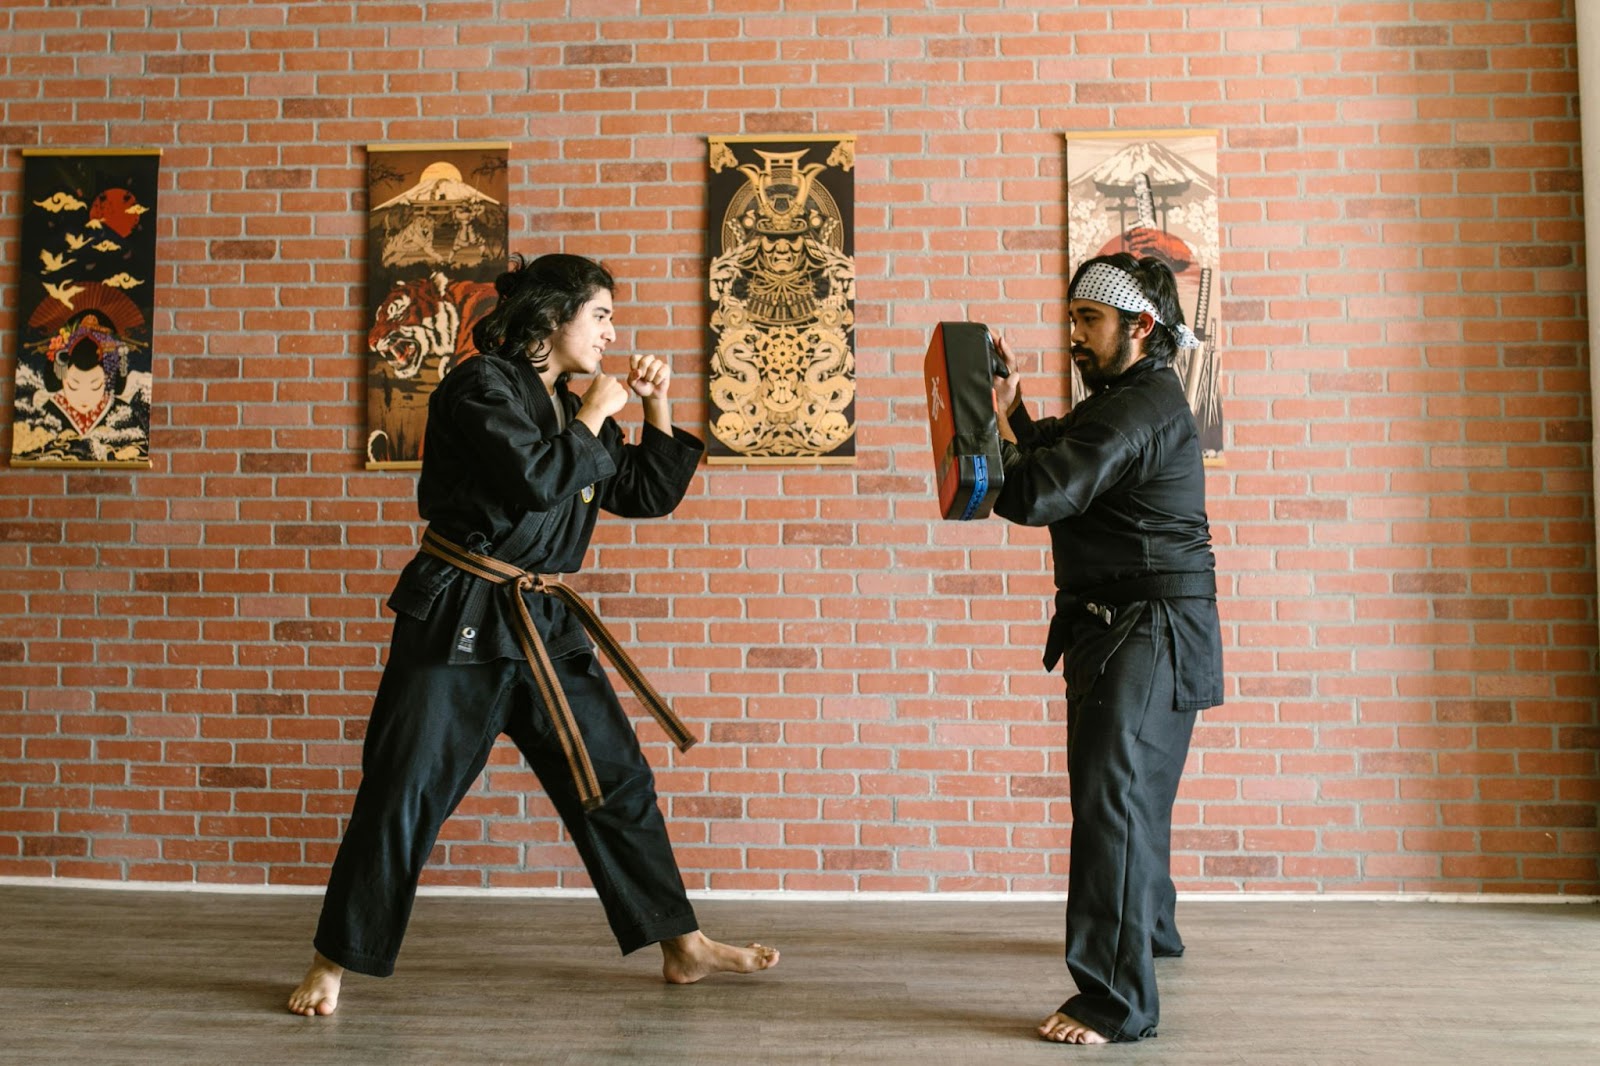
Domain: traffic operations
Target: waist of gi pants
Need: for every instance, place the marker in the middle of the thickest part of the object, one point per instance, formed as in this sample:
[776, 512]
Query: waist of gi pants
[517, 581]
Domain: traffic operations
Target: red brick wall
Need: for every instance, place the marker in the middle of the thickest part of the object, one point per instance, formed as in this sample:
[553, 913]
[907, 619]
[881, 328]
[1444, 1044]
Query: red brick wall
[1404, 524]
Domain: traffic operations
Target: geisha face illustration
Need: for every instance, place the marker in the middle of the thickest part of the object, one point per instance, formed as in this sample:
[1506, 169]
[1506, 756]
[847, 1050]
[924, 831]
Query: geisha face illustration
[85, 417]
[88, 363]
[83, 383]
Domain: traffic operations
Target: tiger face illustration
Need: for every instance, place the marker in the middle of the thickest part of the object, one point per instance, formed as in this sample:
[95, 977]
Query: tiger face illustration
[428, 318]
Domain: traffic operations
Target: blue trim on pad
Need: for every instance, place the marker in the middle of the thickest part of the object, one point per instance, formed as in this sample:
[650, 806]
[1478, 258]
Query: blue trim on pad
[980, 485]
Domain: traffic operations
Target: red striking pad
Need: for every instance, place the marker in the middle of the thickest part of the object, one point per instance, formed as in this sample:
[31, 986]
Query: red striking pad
[963, 418]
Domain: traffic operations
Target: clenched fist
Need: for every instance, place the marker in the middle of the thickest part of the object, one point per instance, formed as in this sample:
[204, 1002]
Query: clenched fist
[649, 376]
[604, 397]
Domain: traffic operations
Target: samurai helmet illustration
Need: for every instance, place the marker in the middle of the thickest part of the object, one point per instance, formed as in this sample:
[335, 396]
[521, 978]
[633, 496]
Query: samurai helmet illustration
[782, 188]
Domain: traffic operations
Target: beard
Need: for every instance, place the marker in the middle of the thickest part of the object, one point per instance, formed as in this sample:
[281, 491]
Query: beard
[1096, 372]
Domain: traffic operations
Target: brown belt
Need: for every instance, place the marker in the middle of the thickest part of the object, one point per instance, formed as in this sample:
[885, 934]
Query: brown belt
[519, 581]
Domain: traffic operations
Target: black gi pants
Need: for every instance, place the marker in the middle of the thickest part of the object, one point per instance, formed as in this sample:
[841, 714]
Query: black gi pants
[1126, 748]
[433, 725]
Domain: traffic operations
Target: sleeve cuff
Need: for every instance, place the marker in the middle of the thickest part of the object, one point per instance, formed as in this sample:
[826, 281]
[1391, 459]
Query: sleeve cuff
[1010, 455]
[677, 436]
[679, 444]
[592, 449]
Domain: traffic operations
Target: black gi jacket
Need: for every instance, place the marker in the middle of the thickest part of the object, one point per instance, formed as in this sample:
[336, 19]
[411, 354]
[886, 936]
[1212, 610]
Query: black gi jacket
[1121, 483]
[500, 476]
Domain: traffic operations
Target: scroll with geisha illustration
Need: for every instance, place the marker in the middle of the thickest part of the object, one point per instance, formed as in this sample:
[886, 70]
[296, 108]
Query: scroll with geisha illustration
[782, 378]
[436, 240]
[1154, 193]
[87, 293]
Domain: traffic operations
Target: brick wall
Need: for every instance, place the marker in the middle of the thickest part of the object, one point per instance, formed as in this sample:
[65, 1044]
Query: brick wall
[1404, 524]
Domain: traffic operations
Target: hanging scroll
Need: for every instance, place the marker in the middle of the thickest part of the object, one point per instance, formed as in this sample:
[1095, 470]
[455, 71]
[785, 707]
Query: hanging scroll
[782, 288]
[87, 295]
[436, 240]
[1154, 193]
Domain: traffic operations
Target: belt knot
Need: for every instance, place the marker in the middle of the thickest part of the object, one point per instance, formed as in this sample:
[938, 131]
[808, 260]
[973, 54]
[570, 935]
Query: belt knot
[519, 581]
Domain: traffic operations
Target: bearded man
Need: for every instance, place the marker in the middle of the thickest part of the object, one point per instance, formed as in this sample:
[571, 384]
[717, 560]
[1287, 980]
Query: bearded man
[1120, 482]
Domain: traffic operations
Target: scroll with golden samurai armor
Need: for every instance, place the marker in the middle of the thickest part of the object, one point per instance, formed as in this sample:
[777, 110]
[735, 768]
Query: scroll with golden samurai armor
[782, 288]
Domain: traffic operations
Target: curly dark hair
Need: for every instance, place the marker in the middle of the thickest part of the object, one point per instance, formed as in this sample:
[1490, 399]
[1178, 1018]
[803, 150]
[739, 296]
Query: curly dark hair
[1159, 287]
[538, 297]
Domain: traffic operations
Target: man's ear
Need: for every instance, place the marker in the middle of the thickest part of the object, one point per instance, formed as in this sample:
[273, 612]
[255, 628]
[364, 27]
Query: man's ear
[1144, 327]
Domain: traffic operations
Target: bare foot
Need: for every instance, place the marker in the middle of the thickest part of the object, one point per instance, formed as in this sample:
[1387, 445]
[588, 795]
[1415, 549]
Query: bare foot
[1064, 1029]
[319, 991]
[686, 959]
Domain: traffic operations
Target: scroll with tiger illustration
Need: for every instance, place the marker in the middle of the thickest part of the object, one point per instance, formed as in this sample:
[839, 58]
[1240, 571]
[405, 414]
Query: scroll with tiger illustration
[1154, 193]
[436, 240]
[87, 294]
[782, 286]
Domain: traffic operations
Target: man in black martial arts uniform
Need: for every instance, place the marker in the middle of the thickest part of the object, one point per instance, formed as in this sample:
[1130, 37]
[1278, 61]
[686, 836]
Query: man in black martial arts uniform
[514, 470]
[1120, 483]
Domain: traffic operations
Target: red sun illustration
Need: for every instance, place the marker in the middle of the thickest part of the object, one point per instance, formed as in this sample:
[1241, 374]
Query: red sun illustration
[1143, 241]
[114, 207]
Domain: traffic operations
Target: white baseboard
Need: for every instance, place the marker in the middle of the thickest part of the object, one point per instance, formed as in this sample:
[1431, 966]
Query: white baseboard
[808, 897]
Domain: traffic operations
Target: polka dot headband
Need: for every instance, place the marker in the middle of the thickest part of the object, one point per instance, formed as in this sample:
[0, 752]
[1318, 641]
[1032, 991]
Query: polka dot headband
[1104, 283]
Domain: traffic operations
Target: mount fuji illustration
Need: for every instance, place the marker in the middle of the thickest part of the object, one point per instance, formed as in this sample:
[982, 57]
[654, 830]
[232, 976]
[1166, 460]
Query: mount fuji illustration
[440, 183]
[1162, 167]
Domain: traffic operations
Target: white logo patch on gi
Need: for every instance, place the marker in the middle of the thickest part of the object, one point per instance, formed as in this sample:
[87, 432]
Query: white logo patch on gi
[588, 493]
[469, 637]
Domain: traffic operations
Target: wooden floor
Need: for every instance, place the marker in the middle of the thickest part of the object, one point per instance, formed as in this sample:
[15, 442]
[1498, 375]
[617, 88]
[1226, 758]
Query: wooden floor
[92, 976]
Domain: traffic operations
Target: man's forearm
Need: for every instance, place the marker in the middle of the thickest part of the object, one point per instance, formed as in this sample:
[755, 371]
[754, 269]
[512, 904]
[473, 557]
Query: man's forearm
[1005, 422]
[658, 414]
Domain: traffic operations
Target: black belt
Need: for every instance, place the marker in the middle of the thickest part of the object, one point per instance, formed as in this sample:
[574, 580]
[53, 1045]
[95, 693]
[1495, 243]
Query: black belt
[1098, 601]
[1200, 584]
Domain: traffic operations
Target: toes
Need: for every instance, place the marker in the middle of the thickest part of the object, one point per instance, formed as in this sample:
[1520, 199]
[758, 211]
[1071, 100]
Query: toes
[1065, 1030]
